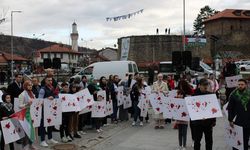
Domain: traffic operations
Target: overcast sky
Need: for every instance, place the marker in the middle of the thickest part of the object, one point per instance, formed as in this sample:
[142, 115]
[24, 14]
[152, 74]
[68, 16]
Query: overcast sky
[55, 17]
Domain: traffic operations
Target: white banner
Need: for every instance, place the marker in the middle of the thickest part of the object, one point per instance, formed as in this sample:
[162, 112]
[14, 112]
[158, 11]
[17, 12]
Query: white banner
[99, 109]
[234, 136]
[12, 130]
[203, 107]
[84, 98]
[233, 81]
[125, 48]
[36, 112]
[52, 112]
[69, 103]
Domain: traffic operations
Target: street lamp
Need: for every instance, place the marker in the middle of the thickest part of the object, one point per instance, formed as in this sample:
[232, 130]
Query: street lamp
[86, 41]
[12, 69]
[36, 37]
[184, 30]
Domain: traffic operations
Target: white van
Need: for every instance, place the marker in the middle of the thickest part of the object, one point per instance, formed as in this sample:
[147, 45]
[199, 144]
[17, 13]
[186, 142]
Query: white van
[167, 68]
[99, 69]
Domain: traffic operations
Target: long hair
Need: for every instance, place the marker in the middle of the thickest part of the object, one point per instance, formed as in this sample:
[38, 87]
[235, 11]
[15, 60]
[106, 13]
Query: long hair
[25, 87]
[102, 85]
[185, 87]
[139, 82]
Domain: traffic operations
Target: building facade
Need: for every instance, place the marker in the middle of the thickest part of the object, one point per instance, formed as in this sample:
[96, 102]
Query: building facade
[228, 33]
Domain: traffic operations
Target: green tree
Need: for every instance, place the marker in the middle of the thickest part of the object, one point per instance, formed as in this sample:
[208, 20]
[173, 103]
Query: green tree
[204, 13]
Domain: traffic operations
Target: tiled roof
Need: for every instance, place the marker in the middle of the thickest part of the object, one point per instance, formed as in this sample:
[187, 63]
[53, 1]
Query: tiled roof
[231, 14]
[5, 57]
[57, 49]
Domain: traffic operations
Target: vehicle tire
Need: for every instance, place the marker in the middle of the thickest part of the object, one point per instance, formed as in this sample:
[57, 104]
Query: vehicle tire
[243, 69]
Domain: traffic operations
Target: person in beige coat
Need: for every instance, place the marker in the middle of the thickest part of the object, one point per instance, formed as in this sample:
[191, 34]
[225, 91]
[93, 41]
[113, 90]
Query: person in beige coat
[159, 86]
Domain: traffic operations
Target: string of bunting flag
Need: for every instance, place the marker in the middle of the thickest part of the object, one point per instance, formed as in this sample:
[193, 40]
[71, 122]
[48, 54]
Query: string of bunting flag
[127, 16]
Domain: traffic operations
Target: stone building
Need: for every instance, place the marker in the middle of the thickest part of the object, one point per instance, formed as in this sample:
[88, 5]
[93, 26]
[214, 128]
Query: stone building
[151, 49]
[228, 33]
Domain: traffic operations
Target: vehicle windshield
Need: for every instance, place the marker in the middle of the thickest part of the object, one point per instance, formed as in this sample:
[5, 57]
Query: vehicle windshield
[165, 68]
[205, 66]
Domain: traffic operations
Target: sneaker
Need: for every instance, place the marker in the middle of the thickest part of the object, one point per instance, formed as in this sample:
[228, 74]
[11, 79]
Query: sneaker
[82, 132]
[64, 140]
[183, 148]
[52, 141]
[77, 136]
[32, 147]
[133, 124]
[179, 148]
[141, 123]
[44, 144]
[98, 130]
[69, 139]
[101, 130]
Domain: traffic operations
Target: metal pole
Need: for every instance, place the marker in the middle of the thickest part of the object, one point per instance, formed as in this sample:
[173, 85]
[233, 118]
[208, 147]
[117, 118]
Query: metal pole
[11, 42]
[184, 30]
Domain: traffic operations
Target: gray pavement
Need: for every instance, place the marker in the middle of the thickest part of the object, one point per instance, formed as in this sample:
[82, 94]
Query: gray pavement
[125, 137]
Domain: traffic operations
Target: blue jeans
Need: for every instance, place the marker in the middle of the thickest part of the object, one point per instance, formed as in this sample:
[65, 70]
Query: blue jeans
[137, 111]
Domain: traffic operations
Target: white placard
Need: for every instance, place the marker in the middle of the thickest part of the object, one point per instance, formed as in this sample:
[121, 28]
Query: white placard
[99, 109]
[127, 102]
[225, 110]
[234, 136]
[1, 94]
[16, 105]
[69, 103]
[52, 112]
[109, 107]
[36, 112]
[84, 98]
[87, 109]
[12, 130]
[203, 107]
[157, 101]
[233, 81]
[143, 103]
[172, 93]
[176, 109]
[101, 95]
[119, 95]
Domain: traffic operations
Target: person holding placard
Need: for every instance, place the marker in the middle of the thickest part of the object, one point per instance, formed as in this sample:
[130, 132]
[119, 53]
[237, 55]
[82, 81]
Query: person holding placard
[135, 94]
[103, 86]
[205, 125]
[47, 91]
[6, 109]
[159, 86]
[239, 110]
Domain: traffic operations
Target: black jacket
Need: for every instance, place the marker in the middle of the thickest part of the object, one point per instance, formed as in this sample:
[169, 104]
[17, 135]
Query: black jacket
[135, 93]
[113, 92]
[4, 112]
[236, 109]
[14, 90]
[206, 122]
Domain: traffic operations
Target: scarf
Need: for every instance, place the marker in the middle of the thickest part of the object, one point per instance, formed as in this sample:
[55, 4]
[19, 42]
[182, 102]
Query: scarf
[8, 106]
[244, 97]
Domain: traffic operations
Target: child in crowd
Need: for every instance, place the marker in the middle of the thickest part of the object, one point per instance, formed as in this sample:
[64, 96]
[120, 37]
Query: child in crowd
[6, 109]
[64, 128]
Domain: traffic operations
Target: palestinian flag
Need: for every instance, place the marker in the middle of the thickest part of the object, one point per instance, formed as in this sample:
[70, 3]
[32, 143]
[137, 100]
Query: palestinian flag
[24, 117]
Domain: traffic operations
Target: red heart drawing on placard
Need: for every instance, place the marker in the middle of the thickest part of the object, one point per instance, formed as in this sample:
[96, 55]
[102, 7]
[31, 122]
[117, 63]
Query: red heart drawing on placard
[205, 104]
[14, 131]
[89, 107]
[18, 130]
[63, 98]
[159, 98]
[99, 107]
[69, 104]
[109, 109]
[183, 114]
[88, 100]
[172, 105]
[238, 142]
[198, 104]
[37, 108]
[178, 107]
[74, 104]
[7, 125]
[230, 131]
[55, 107]
[32, 121]
[48, 120]
[158, 109]
[78, 99]
[214, 110]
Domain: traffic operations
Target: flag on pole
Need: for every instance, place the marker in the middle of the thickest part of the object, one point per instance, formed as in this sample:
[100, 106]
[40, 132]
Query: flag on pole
[24, 117]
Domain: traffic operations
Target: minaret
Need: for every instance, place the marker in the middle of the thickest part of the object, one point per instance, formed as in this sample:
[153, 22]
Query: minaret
[74, 37]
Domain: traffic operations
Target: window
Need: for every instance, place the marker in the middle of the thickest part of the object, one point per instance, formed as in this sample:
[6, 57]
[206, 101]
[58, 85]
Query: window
[54, 55]
[130, 68]
[61, 55]
[42, 56]
[135, 68]
[48, 55]
[88, 71]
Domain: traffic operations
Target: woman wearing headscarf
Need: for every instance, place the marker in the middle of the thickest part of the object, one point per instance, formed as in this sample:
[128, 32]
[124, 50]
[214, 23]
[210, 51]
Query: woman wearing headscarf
[25, 100]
